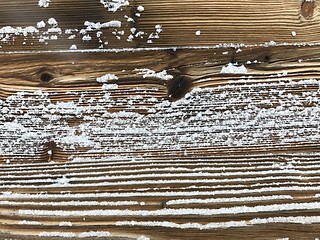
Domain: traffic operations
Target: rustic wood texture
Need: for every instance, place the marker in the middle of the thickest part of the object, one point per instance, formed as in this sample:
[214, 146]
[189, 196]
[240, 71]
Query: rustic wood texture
[219, 22]
[192, 140]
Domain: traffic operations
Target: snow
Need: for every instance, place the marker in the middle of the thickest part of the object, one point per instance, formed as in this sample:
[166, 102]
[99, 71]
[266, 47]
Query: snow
[97, 25]
[74, 235]
[107, 87]
[114, 5]
[293, 33]
[198, 33]
[41, 24]
[94, 234]
[179, 212]
[86, 38]
[232, 68]
[65, 224]
[106, 78]
[228, 200]
[25, 222]
[148, 73]
[155, 34]
[52, 21]
[58, 234]
[63, 181]
[217, 225]
[140, 8]
[44, 3]
[73, 47]
[18, 30]
[143, 238]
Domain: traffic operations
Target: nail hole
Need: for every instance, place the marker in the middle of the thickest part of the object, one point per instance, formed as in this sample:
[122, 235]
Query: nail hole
[46, 77]
[178, 87]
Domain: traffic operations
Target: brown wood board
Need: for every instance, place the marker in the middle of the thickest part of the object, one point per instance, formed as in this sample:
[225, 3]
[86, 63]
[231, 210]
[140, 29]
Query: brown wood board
[184, 137]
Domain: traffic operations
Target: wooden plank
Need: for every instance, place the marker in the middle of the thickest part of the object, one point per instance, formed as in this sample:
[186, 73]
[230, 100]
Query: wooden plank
[159, 23]
[175, 135]
[233, 154]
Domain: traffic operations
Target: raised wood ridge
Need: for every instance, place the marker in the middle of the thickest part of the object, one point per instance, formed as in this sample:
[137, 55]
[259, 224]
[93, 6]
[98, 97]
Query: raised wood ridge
[191, 136]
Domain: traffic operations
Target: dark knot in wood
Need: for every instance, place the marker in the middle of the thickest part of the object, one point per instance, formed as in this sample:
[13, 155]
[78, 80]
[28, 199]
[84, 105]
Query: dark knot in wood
[46, 77]
[307, 8]
[178, 87]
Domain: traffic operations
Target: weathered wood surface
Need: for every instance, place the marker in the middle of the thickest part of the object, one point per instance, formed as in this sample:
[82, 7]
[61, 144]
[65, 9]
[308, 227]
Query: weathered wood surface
[162, 143]
[162, 23]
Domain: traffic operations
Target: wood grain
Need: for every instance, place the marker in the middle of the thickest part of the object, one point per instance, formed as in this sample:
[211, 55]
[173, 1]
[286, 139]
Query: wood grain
[233, 155]
[157, 136]
[220, 22]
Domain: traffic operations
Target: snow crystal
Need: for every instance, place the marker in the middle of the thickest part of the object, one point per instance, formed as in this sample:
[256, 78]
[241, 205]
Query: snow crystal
[114, 5]
[41, 24]
[234, 69]
[52, 21]
[107, 77]
[63, 181]
[44, 3]
[198, 33]
[86, 38]
[293, 33]
[140, 8]
[148, 73]
[73, 47]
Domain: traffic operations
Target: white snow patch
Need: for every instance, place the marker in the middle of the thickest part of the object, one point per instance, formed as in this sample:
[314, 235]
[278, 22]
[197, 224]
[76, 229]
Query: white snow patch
[293, 33]
[180, 212]
[25, 222]
[217, 225]
[143, 238]
[41, 24]
[198, 33]
[63, 181]
[114, 5]
[107, 87]
[94, 234]
[58, 234]
[44, 3]
[73, 47]
[97, 25]
[107, 77]
[18, 30]
[148, 73]
[52, 21]
[155, 34]
[227, 200]
[234, 69]
[140, 8]
[65, 224]
[86, 38]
